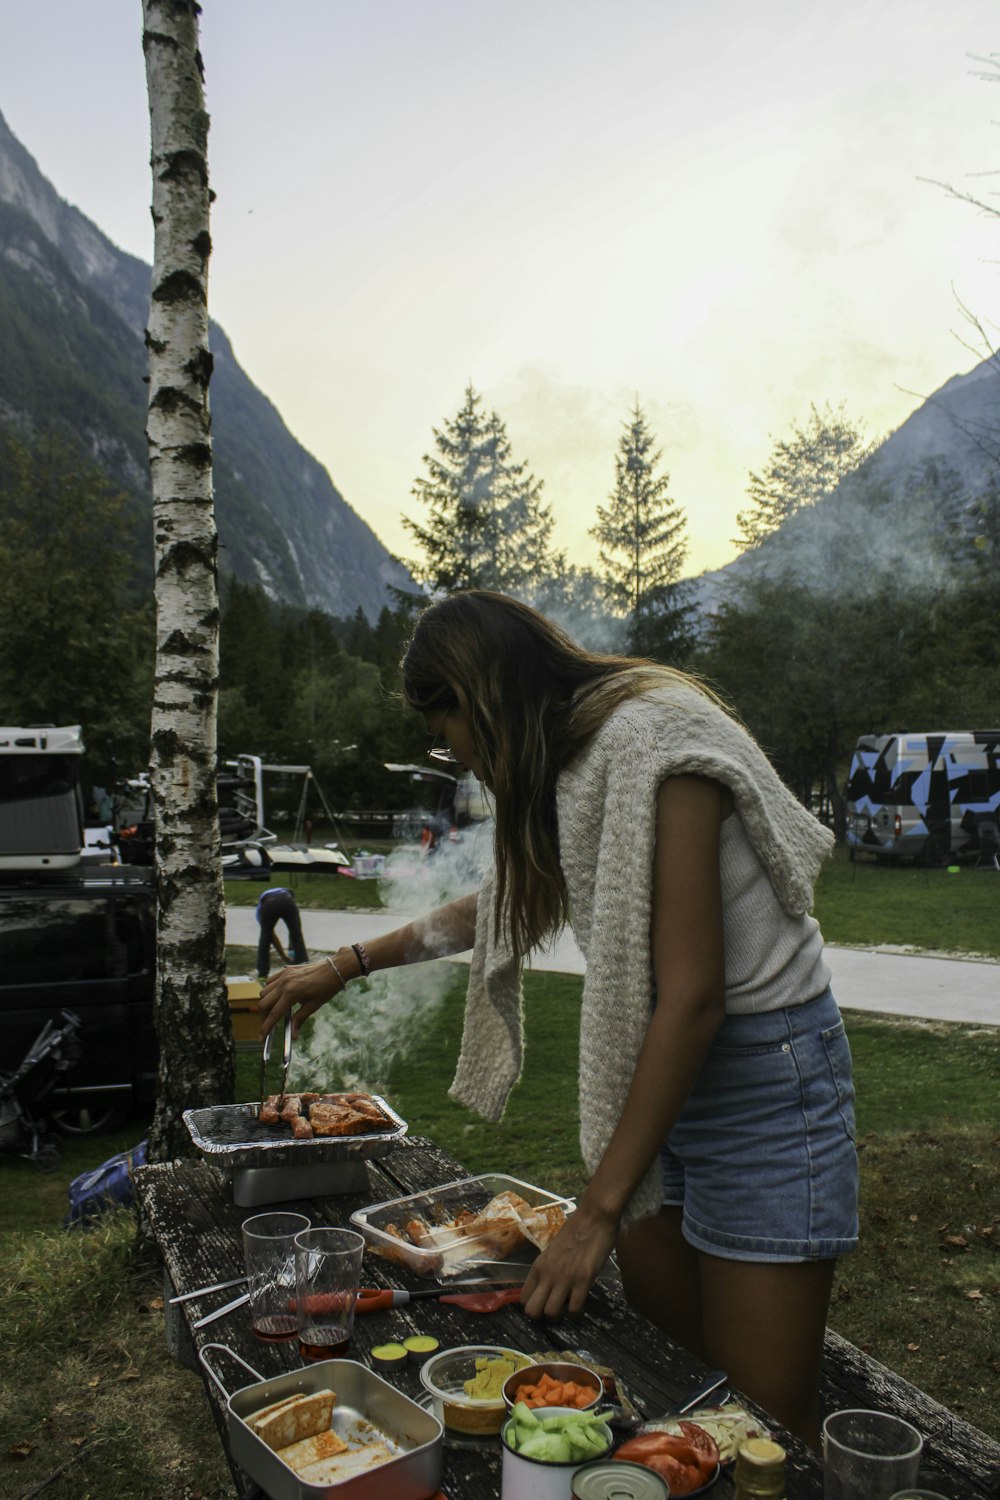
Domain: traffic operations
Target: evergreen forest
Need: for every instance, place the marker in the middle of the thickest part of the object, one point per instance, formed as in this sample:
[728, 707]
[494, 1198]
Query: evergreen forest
[857, 606]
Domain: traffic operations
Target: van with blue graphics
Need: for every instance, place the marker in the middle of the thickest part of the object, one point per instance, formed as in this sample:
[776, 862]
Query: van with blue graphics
[926, 797]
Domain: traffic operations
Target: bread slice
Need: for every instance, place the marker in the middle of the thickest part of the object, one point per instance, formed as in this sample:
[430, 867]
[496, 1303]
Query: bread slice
[288, 1422]
[310, 1451]
[347, 1465]
[266, 1411]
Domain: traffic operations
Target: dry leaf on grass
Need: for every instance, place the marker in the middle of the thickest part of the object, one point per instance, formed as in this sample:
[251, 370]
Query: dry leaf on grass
[129, 1375]
[976, 1295]
[21, 1450]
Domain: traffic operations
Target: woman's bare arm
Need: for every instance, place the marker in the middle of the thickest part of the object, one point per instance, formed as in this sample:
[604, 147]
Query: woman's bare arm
[687, 951]
[305, 987]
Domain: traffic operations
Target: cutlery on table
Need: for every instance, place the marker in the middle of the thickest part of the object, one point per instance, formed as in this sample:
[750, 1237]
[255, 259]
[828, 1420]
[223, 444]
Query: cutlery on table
[714, 1384]
[203, 1291]
[374, 1299]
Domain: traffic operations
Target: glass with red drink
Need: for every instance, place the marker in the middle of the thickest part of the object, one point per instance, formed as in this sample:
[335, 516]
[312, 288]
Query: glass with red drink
[269, 1257]
[327, 1277]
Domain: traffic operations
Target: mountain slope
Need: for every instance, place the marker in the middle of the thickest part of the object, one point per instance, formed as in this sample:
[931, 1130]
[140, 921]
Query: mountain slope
[73, 312]
[917, 484]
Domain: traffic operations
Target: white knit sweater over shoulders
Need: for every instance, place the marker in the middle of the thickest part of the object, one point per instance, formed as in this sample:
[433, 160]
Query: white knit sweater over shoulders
[606, 802]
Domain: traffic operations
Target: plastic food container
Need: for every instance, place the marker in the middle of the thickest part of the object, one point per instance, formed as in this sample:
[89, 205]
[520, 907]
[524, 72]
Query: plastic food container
[446, 1252]
[444, 1376]
[558, 1370]
[524, 1478]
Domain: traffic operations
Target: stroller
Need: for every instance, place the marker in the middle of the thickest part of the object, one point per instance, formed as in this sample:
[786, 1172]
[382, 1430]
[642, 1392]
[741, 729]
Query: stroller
[23, 1130]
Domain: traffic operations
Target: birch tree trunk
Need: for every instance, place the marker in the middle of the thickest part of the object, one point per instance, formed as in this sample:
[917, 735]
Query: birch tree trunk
[192, 1012]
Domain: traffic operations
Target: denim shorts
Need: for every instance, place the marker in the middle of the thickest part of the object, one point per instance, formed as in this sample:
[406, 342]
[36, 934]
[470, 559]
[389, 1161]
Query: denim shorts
[762, 1158]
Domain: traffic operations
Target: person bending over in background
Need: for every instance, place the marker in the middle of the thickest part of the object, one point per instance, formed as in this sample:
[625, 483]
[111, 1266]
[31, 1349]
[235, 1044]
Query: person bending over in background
[279, 905]
[716, 1102]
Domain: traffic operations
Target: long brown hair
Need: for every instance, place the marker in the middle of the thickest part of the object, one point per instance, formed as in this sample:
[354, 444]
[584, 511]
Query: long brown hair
[534, 700]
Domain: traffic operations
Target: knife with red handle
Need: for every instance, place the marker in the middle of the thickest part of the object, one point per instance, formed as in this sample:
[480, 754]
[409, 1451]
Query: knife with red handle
[375, 1299]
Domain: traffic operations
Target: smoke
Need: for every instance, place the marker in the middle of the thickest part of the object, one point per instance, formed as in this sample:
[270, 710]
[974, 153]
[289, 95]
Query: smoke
[356, 1041]
[908, 535]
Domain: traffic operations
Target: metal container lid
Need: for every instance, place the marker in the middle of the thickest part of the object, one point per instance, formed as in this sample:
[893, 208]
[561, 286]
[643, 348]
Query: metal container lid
[618, 1480]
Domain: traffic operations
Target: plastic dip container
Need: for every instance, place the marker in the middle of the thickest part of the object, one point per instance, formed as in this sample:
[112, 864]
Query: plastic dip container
[444, 1376]
[618, 1481]
[525, 1478]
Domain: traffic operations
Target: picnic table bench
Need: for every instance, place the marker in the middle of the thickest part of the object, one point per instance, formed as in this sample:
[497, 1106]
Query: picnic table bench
[189, 1209]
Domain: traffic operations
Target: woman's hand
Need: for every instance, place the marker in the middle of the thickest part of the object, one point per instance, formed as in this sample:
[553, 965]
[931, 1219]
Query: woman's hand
[302, 988]
[565, 1271]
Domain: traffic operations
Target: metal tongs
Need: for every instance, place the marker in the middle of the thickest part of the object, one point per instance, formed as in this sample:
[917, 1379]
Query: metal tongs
[286, 1057]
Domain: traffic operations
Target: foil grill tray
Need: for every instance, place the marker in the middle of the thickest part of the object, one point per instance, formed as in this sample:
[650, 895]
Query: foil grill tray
[232, 1135]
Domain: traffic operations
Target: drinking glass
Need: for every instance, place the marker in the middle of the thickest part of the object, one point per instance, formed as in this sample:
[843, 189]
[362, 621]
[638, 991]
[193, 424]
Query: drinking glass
[868, 1455]
[327, 1277]
[269, 1257]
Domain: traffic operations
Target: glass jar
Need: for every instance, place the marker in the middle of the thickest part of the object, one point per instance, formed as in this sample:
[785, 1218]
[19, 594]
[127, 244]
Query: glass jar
[760, 1470]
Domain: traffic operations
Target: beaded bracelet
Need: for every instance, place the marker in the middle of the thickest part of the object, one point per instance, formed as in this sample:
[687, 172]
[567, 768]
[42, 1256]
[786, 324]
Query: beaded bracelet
[333, 966]
[360, 953]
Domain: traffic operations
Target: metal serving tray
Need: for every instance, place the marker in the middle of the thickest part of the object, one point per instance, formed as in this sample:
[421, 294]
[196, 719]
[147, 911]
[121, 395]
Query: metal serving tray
[269, 1166]
[366, 1407]
[437, 1206]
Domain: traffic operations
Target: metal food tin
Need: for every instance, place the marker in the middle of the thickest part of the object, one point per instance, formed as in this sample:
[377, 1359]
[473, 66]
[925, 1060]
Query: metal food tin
[617, 1480]
[363, 1398]
[266, 1167]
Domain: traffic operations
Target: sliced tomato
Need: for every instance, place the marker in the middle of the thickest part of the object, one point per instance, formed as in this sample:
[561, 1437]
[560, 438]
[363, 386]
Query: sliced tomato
[673, 1457]
[704, 1445]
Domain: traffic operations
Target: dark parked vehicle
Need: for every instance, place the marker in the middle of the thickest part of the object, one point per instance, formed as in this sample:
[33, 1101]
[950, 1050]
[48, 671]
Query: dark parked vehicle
[82, 940]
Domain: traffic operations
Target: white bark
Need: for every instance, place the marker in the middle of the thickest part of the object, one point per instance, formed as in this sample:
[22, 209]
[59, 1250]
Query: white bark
[197, 1060]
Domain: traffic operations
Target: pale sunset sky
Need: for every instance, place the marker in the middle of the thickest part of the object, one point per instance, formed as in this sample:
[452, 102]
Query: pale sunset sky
[714, 207]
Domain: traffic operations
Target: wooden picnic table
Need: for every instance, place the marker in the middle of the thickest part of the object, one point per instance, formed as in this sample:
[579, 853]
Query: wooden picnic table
[189, 1208]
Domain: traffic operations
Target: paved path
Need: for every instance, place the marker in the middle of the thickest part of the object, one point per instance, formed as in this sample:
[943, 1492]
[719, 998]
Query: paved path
[877, 979]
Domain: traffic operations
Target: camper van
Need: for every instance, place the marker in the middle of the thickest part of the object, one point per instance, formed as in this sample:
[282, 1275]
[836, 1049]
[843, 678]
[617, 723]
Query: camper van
[41, 809]
[927, 797]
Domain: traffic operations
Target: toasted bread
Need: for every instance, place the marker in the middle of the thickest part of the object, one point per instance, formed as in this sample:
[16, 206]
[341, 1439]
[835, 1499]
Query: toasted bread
[317, 1449]
[290, 1421]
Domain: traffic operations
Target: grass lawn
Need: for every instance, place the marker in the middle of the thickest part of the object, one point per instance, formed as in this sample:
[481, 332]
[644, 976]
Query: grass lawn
[865, 903]
[860, 903]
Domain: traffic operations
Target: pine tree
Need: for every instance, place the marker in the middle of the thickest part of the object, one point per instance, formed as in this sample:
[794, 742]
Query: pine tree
[487, 526]
[643, 547]
[801, 470]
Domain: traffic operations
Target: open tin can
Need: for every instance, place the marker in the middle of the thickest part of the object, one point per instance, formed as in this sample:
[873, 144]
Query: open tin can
[618, 1481]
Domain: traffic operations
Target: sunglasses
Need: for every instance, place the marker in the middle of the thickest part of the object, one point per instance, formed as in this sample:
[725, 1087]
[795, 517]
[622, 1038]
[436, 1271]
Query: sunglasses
[439, 752]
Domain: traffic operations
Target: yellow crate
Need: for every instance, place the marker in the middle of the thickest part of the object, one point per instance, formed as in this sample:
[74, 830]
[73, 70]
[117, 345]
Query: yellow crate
[243, 995]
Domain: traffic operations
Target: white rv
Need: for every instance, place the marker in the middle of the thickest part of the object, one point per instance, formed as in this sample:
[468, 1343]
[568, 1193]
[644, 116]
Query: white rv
[41, 807]
[925, 796]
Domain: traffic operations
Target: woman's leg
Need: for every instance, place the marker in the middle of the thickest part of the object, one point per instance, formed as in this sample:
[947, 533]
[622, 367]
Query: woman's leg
[763, 1323]
[662, 1278]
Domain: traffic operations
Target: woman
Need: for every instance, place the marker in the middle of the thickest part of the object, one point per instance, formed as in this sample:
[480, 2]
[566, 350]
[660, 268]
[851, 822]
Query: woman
[716, 1102]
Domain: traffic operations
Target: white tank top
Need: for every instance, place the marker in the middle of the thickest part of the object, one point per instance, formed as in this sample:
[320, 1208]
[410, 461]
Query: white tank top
[772, 960]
